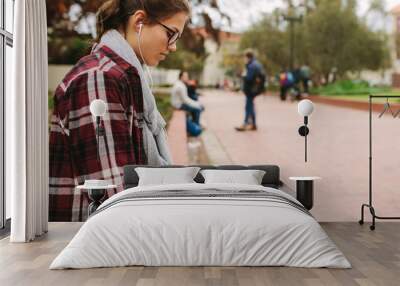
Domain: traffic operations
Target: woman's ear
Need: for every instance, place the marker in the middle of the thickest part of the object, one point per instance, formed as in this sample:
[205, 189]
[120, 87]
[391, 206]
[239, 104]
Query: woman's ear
[137, 20]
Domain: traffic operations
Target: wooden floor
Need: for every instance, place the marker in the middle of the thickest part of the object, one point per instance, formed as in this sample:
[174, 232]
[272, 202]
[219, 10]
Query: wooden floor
[375, 257]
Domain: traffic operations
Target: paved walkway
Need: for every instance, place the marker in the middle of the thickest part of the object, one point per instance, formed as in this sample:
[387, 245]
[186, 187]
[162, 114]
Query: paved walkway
[338, 150]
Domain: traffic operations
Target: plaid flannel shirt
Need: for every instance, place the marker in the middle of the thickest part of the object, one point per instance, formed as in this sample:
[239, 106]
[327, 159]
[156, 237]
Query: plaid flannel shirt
[73, 142]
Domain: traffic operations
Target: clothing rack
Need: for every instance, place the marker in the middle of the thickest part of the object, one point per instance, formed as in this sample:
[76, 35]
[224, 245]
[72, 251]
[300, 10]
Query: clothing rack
[370, 205]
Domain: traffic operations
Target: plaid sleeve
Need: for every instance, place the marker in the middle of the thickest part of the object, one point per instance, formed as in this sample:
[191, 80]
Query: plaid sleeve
[120, 145]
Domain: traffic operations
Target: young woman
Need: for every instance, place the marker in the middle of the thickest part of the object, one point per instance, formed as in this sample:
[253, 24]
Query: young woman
[131, 33]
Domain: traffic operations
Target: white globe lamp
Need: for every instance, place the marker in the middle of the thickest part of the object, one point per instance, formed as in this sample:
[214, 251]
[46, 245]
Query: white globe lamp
[305, 108]
[98, 108]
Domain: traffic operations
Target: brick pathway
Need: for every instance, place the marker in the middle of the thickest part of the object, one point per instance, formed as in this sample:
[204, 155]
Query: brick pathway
[177, 138]
[338, 150]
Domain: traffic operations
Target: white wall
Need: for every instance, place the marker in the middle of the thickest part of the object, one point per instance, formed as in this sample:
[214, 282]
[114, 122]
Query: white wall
[375, 77]
[163, 76]
[212, 72]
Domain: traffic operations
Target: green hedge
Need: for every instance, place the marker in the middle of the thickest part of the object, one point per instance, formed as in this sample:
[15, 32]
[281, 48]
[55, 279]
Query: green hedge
[164, 105]
[349, 87]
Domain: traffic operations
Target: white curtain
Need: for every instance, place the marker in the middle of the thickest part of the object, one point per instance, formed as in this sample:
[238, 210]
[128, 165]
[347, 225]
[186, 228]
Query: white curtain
[27, 124]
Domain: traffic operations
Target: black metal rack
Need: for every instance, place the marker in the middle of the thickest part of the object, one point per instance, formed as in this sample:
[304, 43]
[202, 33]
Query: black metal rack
[370, 205]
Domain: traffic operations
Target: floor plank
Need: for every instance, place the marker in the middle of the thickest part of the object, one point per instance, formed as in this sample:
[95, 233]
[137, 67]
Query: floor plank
[375, 257]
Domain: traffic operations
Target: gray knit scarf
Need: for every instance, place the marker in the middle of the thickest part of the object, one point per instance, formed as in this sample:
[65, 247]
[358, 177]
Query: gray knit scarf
[154, 135]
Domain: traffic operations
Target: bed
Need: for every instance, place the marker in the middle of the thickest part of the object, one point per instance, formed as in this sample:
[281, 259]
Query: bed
[202, 224]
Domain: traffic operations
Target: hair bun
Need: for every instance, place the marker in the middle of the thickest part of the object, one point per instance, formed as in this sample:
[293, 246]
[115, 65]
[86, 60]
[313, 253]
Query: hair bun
[109, 9]
[114, 14]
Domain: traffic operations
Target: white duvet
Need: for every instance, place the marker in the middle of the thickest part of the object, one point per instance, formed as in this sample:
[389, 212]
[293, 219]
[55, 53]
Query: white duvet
[200, 231]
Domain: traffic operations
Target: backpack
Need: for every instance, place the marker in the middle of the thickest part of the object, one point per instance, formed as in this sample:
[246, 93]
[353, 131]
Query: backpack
[290, 78]
[259, 82]
[192, 128]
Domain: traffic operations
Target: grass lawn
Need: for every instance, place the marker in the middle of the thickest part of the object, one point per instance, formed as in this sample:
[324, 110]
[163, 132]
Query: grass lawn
[365, 97]
[355, 91]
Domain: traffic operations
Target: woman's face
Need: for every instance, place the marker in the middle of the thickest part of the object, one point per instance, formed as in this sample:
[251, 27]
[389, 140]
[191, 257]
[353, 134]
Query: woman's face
[153, 39]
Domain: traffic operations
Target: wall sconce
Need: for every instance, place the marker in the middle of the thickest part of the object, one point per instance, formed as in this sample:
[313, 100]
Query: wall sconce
[98, 108]
[305, 108]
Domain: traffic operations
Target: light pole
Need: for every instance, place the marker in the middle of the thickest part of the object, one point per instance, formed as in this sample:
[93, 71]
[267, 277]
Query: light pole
[291, 18]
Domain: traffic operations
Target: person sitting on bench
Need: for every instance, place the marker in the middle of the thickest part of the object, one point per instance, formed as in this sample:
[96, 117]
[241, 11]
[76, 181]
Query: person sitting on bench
[181, 100]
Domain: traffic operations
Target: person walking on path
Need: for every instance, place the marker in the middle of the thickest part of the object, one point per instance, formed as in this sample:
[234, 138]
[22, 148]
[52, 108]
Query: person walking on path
[250, 86]
[131, 34]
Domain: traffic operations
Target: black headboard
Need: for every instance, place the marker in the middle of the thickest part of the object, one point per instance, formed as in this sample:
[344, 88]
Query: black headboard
[270, 179]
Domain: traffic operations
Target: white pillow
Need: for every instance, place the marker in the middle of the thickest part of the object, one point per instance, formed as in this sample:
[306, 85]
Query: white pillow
[163, 176]
[248, 177]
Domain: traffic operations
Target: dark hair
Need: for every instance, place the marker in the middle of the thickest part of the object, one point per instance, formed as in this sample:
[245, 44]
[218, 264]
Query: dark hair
[249, 54]
[115, 13]
[181, 74]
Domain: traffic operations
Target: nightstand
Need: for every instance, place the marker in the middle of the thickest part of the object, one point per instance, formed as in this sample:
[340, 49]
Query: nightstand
[305, 190]
[96, 191]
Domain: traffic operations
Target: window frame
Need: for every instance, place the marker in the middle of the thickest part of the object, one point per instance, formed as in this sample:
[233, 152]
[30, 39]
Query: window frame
[6, 39]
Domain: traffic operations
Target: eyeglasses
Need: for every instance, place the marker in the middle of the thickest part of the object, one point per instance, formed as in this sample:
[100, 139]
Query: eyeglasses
[173, 35]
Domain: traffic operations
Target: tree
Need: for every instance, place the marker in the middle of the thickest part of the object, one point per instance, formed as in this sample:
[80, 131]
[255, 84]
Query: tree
[331, 36]
[377, 6]
[67, 45]
[184, 59]
[338, 39]
[59, 21]
[270, 41]
[377, 16]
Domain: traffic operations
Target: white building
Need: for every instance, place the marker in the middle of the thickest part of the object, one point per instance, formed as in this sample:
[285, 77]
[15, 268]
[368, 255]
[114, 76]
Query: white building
[213, 72]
